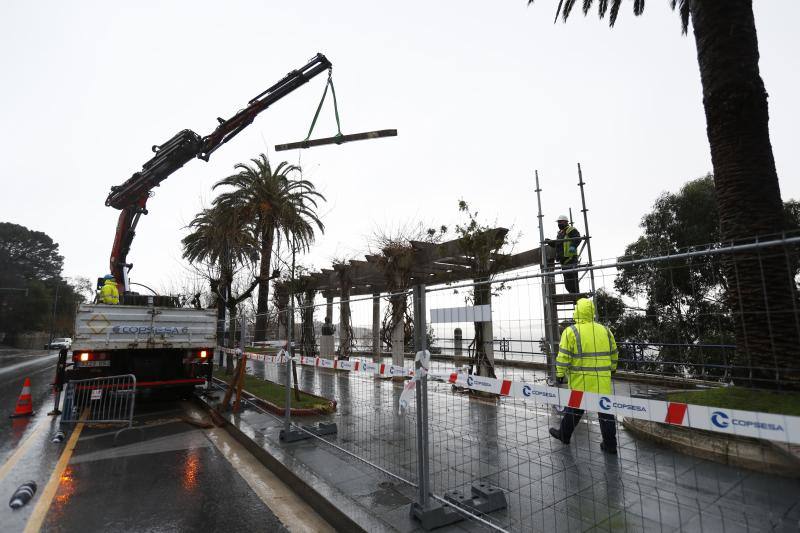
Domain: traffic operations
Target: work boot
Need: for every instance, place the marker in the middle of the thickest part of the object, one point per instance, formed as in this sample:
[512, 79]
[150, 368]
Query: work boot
[612, 451]
[556, 433]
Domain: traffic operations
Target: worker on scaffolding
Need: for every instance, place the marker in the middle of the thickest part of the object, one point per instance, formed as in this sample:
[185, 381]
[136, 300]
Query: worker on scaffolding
[587, 356]
[566, 246]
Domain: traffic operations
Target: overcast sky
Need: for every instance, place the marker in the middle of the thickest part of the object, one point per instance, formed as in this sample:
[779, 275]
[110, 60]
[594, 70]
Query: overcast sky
[482, 93]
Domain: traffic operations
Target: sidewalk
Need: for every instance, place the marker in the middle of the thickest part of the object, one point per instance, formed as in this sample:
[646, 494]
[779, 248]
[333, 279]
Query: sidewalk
[549, 486]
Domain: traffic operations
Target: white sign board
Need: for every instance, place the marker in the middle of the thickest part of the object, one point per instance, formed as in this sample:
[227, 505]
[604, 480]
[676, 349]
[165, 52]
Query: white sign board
[470, 313]
[97, 394]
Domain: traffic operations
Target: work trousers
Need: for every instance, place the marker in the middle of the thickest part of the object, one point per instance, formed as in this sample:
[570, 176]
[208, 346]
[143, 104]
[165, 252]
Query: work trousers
[570, 277]
[608, 427]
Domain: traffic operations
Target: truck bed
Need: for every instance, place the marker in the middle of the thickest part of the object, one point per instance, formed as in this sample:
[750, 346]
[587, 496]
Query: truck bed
[113, 327]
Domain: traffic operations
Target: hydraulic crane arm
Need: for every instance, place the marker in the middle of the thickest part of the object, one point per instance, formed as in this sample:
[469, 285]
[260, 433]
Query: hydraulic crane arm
[131, 197]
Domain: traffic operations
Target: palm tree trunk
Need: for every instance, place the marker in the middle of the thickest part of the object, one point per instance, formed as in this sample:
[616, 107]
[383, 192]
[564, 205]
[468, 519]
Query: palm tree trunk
[267, 240]
[762, 296]
[217, 290]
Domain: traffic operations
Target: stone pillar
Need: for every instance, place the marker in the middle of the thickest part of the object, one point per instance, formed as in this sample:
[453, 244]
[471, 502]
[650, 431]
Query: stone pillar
[282, 305]
[327, 347]
[376, 326]
[329, 307]
[458, 344]
[488, 339]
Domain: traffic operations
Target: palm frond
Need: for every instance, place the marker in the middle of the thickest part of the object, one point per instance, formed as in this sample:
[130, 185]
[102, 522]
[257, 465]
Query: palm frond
[568, 5]
[602, 8]
[613, 12]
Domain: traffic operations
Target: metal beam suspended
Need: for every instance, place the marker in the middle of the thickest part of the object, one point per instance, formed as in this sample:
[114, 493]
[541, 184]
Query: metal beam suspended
[337, 139]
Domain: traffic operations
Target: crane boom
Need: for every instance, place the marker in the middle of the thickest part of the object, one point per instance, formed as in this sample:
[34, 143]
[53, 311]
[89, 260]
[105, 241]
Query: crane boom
[131, 197]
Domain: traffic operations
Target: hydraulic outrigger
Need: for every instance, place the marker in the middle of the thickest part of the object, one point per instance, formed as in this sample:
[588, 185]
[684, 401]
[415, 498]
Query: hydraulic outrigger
[131, 197]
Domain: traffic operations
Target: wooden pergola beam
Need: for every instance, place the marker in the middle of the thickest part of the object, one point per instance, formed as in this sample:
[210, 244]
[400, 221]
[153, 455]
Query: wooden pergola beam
[337, 139]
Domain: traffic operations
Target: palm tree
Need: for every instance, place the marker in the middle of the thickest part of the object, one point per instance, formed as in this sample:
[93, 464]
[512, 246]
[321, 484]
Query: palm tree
[222, 238]
[762, 295]
[276, 205]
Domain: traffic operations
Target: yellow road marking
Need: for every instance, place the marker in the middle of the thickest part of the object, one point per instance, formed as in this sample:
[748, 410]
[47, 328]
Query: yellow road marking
[20, 451]
[293, 512]
[43, 504]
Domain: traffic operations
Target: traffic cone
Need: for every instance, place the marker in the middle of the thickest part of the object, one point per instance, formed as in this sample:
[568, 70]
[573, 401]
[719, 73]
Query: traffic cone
[24, 403]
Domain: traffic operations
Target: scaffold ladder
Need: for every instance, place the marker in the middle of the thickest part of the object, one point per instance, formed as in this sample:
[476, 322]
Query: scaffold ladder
[559, 307]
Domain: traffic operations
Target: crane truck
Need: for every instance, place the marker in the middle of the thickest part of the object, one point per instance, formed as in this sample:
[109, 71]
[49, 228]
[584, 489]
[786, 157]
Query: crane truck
[152, 337]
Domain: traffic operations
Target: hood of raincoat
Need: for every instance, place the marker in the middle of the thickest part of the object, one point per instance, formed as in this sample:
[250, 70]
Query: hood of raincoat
[584, 311]
[110, 282]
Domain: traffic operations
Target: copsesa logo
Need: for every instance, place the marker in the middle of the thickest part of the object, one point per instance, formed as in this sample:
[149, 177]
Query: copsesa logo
[605, 402]
[719, 419]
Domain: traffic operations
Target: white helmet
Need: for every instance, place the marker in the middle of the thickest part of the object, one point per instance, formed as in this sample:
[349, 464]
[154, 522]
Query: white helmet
[562, 217]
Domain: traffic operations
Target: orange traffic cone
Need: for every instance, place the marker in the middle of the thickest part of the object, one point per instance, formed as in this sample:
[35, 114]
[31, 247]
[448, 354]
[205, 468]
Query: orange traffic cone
[24, 403]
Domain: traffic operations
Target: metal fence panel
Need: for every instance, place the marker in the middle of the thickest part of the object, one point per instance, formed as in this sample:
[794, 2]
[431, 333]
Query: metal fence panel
[100, 400]
[481, 420]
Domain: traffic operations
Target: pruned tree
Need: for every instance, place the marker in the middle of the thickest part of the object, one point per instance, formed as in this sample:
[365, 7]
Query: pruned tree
[481, 246]
[392, 247]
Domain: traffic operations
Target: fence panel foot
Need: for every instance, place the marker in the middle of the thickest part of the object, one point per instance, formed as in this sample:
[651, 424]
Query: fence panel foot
[485, 498]
[434, 515]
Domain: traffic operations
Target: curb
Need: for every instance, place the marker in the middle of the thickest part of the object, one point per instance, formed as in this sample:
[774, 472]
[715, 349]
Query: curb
[744, 452]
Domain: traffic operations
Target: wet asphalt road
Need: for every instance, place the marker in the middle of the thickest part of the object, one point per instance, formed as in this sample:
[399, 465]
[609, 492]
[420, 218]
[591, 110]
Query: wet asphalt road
[15, 366]
[167, 476]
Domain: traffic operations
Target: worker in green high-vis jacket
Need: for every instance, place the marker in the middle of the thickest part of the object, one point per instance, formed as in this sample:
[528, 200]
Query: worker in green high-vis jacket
[587, 356]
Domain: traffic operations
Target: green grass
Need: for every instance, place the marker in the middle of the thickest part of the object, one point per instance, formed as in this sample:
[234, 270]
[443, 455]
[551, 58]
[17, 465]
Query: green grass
[274, 393]
[255, 349]
[784, 403]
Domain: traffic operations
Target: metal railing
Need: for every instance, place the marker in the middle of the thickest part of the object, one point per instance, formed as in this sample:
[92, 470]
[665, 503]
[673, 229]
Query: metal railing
[109, 400]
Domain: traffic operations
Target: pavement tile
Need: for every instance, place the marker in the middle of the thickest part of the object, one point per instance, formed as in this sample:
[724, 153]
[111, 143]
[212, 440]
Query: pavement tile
[668, 514]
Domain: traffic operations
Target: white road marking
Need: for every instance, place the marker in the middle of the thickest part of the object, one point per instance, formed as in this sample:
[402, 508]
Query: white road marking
[181, 441]
[23, 364]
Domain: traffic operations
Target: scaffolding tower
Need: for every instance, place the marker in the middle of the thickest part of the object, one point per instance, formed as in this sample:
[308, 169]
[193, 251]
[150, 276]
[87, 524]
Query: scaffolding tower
[559, 307]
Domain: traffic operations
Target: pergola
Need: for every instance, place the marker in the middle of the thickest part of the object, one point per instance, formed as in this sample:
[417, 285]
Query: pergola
[425, 263]
[430, 263]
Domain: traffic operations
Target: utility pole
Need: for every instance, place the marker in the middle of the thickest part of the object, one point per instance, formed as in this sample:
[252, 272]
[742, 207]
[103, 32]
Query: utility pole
[53, 316]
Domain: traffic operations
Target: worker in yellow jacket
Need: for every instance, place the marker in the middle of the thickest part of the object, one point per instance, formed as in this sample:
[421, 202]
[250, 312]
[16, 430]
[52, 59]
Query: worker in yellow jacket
[109, 293]
[587, 356]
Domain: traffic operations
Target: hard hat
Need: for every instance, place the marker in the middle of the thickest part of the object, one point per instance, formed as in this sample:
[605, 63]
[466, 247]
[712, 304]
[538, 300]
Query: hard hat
[562, 217]
[108, 276]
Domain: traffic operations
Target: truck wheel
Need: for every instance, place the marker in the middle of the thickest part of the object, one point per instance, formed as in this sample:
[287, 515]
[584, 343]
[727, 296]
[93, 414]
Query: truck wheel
[184, 393]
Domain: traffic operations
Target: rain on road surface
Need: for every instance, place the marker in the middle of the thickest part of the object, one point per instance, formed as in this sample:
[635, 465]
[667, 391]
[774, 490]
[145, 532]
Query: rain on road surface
[167, 476]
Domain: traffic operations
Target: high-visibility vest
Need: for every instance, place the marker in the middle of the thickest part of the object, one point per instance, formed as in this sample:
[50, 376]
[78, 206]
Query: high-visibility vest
[587, 353]
[568, 247]
[109, 293]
